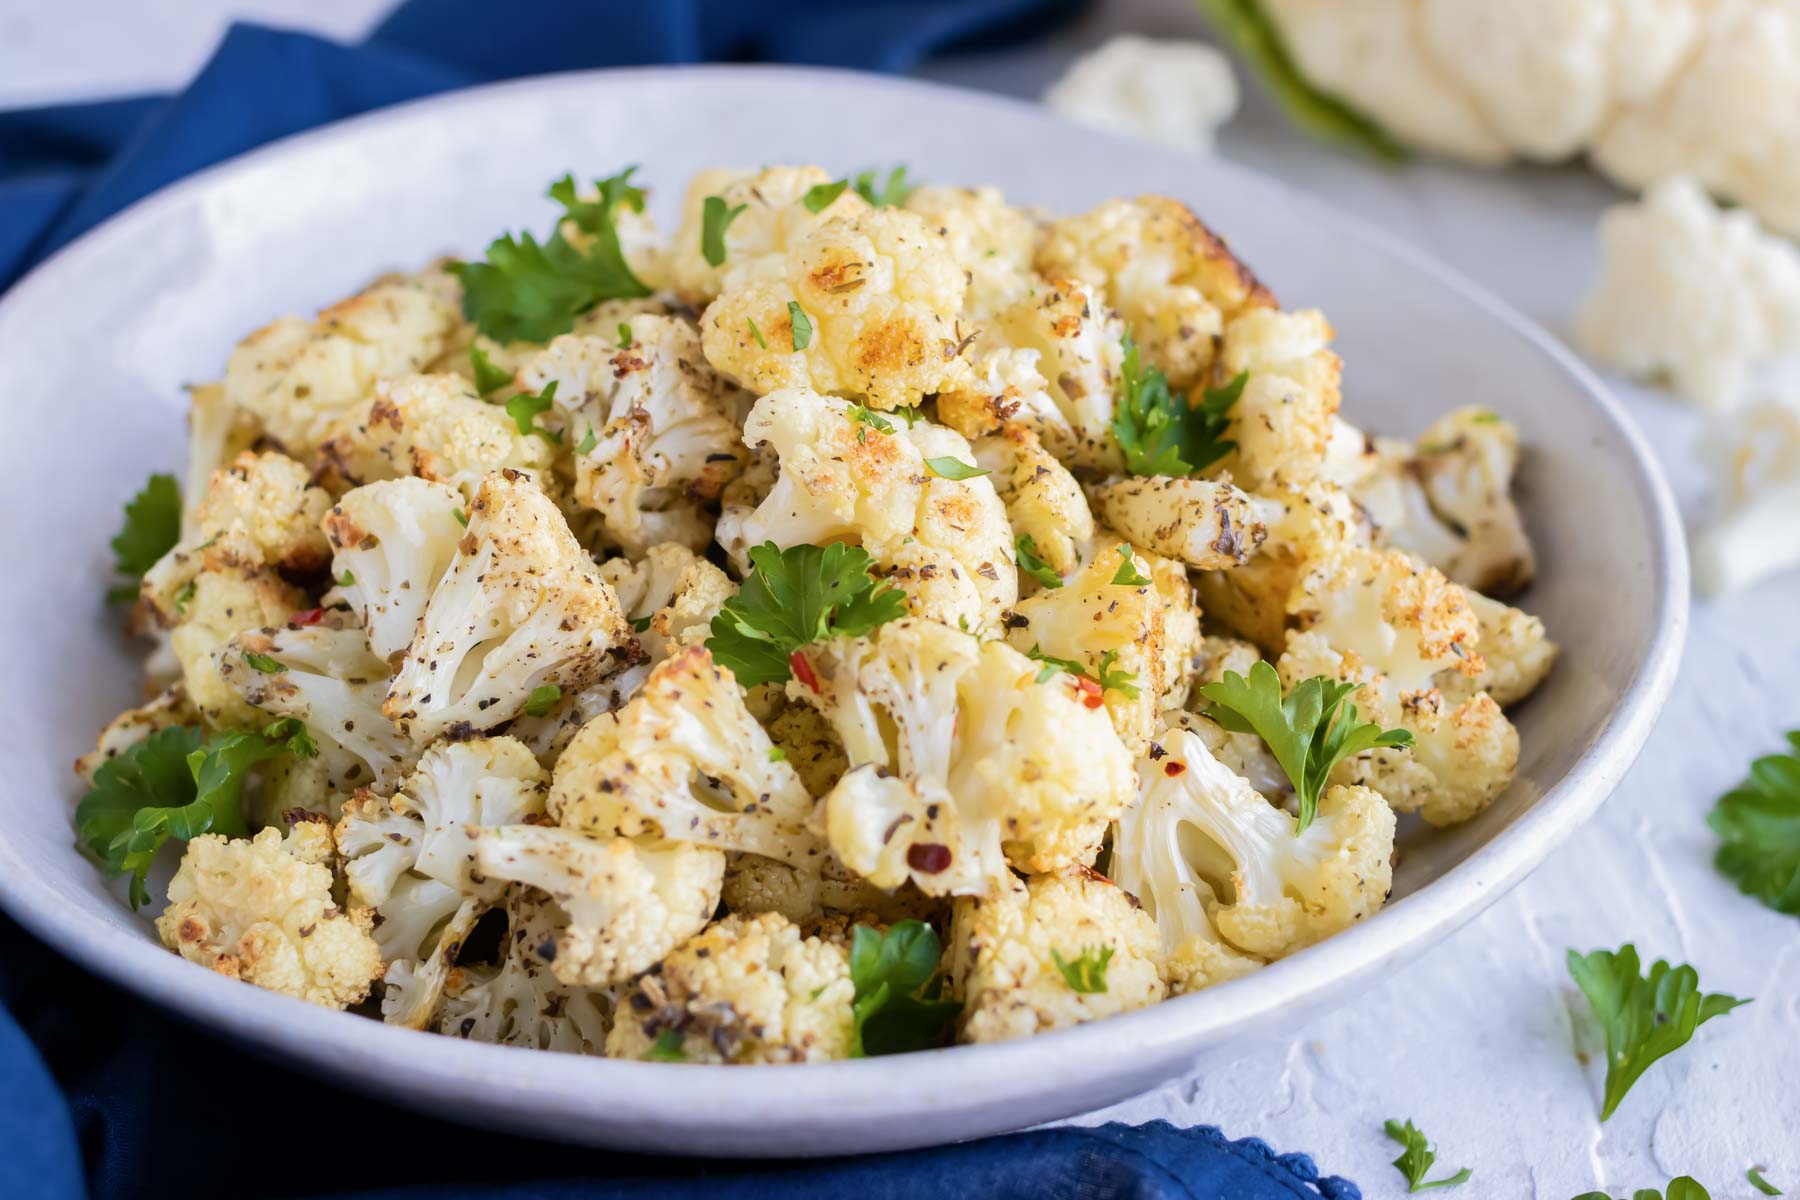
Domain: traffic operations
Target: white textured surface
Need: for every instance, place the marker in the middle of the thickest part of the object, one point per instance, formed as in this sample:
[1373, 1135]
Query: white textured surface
[1477, 1041]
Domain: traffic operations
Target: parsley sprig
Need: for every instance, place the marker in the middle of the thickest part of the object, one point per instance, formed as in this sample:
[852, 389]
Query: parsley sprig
[1033, 565]
[667, 1048]
[488, 377]
[178, 782]
[1162, 434]
[525, 407]
[1682, 1187]
[715, 218]
[793, 598]
[1086, 973]
[151, 529]
[1128, 575]
[1416, 1158]
[1758, 823]
[888, 193]
[531, 291]
[543, 698]
[900, 1005]
[1309, 731]
[1643, 1017]
[1108, 677]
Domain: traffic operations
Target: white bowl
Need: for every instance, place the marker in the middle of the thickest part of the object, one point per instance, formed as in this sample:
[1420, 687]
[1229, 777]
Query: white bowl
[95, 344]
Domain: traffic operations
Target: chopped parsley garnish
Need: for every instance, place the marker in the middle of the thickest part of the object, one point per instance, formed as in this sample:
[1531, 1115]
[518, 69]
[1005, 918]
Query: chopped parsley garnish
[1758, 823]
[178, 782]
[531, 291]
[1087, 973]
[1128, 575]
[1682, 1187]
[819, 196]
[264, 663]
[715, 219]
[954, 469]
[1643, 1017]
[640, 624]
[1032, 565]
[1109, 678]
[777, 754]
[462, 518]
[347, 579]
[185, 596]
[900, 1005]
[1161, 434]
[1755, 1176]
[801, 326]
[543, 698]
[793, 598]
[756, 333]
[151, 529]
[890, 193]
[1416, 1159]
[1309, 732]
[588, 441]
[524, 408]
[624, 335]
[666, 1048]
[863, 415]
[488, 377]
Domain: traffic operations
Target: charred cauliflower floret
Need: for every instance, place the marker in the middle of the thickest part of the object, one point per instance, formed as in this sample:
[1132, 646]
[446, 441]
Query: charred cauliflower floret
[1172, 279]
[1043, 501]
[260, 910]
[1206, 523]
[432, 426]
[1050, 953]
[863, 306]
[1282, 423]
[624, 903]
[521, 607]
[992, 241]
[653, 428]
[772, 218]
[685, 760]
[297, 377]
[391, 543]
[747, 990]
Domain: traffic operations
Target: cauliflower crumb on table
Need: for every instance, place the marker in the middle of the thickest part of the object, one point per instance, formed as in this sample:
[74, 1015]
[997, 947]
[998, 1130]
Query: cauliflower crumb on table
[878, 616]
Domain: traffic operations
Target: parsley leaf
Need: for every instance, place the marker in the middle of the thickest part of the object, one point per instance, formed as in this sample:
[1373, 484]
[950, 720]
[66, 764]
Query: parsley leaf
[863, 415]
[819, 196]
[462, 518]
[1309, 732]
[543, 698]
[588, 441]
[1053, 665]
[1417, 1157]
[624, 335]
[180, 783]
[1128, 575]
[795, 597]
[801, 326]
[347, 579]
[1112, 680]
[899, 990]
[1162, 434]
[1758, 823]
[488, 377]
[1683, 1187]
[531, 291]
[152, 527]
[264, 663]
[715, 219]
[1032, 565]
[756, 333]
[666, 1048]
[1643, 1017]
[1086, 974]
[1106, 677]
[955, 469]
[891, 193]
[777, 754]
[1755, 1176]
[524, 408]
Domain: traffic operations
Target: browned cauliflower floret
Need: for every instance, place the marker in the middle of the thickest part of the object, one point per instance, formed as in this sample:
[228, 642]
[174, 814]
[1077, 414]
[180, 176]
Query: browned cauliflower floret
[1206, 523]
[167, 710]
[260, 910]
[748, 990]
[1043, 501]
[231, 592]
[1172, 279]
[672, 593]
[1303, 524]
[773, 218]
[1282, 423]
[218, 431]
[1050, 953]
[1516, 650]
[391, 543]
[877, 297]
[992, 241]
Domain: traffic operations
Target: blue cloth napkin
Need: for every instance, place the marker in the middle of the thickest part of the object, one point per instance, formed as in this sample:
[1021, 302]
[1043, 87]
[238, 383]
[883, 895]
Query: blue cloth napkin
[103, 1097]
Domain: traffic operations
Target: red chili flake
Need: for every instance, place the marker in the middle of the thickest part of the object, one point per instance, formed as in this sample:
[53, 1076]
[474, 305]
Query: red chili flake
[928, 857]
[803, 670]
[1092, 694]
[1174, 768]
[311, 616]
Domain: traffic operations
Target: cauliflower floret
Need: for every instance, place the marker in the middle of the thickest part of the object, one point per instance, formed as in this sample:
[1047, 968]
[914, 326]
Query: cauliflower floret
[1206, 523]
[260, 910]
[521, 607]
[685, 760]
[773, 219]
[1693, 294]
[961, 762]
[747, 990]
[809, 897]
[1043, 501]
[992, 241]
[432, 426]
[1176, 93]
[879, 293]
[520, 1002]
[654, 429]
[391, 543]
[1396, 615]
[230, 593]
[625, 903]
[1282, 423]
[297, 377]
[1517, 653]
[1756, 464]
[672, 592]
[1004, 952]
[1173, 280]
[961, 541]
[166, 711]
[218, 432]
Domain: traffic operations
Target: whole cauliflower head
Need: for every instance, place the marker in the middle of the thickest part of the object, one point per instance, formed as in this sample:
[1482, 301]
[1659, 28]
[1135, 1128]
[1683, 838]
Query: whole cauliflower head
[747, 990]
[992, 242]
[260, 910]
[1004, 952]
[1206, 523]
[880, 293]
[1043, 501]
[391, 542]
[772, 217]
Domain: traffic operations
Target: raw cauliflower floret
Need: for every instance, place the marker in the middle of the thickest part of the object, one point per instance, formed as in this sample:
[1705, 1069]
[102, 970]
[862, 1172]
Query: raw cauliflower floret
[747, 990]
[521, 607]
[297, 377]
[1283, 422]
[685, 760]
[1176, 93]
[1043, 501]
[624, 903]
[231, 592]
[260, 910]
[391, 543]
[675, 594]
[880, 293]
[1691, 294]
[961, 762]
[1004, 951]
[1173, 280]
[1206, 523]
[757, 239]
[992, 242]
[432, 426]
[520, 1002]
[654, 429]
[1756, 466]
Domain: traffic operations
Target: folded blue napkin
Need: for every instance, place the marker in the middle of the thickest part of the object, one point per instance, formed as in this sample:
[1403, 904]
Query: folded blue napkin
[103, 1097]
